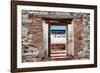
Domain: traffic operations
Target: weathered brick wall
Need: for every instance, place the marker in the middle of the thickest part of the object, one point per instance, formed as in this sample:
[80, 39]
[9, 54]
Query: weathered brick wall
[77, 35]
[33, 42]
[85, 36]
[82, 36]
[35, 28]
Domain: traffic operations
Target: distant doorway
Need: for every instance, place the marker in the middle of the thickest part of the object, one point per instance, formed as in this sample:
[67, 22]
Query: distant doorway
[58, 40]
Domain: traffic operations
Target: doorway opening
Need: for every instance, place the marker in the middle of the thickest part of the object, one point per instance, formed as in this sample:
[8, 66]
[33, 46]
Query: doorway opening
[58, 40]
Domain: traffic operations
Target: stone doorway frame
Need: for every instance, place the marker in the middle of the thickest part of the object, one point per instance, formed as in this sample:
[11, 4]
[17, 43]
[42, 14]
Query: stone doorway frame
[68, 21]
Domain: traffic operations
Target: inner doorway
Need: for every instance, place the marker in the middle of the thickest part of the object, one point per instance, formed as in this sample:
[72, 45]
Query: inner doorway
[58, 40]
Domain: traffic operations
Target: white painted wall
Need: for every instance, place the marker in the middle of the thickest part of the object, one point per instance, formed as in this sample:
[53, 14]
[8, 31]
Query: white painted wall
[59, 39]
[5, 36]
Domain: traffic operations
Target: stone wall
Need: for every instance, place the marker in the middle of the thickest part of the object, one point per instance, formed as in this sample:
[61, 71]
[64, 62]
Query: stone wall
[77, 35]
[81, 36]
[32, 39]
[34, 42]
[85, 36]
